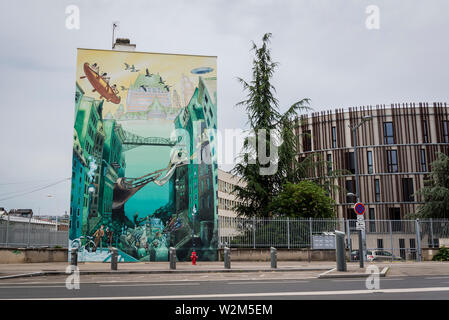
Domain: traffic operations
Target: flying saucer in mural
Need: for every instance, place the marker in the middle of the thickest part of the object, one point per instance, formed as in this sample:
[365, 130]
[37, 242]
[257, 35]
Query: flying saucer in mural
[101, 83]
[202, 70]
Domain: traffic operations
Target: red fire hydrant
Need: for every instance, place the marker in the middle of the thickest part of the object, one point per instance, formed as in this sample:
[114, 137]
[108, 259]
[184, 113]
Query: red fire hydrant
[193, 257]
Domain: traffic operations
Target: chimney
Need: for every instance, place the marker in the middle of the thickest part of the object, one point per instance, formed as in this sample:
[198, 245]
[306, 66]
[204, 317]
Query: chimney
[122, 44]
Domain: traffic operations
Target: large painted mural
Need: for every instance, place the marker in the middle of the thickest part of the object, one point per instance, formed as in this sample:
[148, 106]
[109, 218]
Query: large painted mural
[144, 175]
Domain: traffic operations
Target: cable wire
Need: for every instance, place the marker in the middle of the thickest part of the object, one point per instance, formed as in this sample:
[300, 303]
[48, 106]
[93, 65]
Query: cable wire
[35, 190]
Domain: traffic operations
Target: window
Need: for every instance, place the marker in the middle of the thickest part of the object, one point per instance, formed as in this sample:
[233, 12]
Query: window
[423, 161]
[334, 137]
[377, 189]
[388, 133]
[350, 188]
[425, 132]
[372, 220]
[307, 141]
[407, 189]
[380, 243]
[370, 161]
[350, 165]
[446, 131]
[329, 164]
[392, 160]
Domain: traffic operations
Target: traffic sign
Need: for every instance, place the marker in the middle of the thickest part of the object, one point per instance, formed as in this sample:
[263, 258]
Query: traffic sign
[360, 224]
[359, 208]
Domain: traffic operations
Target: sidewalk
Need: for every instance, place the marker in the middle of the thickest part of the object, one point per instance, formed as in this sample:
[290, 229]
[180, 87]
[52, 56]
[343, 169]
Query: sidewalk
[323, 269]
[395, 269]
[58, 268]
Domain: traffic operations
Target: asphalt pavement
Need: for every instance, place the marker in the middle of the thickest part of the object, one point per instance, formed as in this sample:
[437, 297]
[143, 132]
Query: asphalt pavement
[253, 288]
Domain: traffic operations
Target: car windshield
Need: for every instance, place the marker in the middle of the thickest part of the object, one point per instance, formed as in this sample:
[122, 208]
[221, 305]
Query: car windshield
[369, 252]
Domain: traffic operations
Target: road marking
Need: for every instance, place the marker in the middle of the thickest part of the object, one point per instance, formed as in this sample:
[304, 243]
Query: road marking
[431, 278]
[149, 284]
[347, 280]
[263, 294]
[29, 287]
[258, 282]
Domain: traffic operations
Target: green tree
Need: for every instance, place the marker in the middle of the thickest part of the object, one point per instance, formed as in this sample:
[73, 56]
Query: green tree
[436, 191]
[263, 114]
[305, 200]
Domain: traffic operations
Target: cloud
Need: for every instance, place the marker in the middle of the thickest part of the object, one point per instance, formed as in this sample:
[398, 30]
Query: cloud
[325, 53]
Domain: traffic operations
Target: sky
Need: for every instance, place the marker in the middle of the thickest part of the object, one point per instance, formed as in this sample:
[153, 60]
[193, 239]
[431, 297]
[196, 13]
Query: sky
[324, 49]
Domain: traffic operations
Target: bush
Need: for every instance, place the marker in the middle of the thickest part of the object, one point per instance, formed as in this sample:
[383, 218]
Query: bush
[442, 255]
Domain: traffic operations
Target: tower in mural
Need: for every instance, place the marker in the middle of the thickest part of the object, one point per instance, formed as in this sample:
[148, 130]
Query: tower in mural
[134, 185]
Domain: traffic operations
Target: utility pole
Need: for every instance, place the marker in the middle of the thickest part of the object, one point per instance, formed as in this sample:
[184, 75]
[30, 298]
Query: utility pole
[362, 235]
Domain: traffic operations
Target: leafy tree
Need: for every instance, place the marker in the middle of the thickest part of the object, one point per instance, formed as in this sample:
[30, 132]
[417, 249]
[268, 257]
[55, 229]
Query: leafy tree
[263, 114]
[305, 199]
[436, 191]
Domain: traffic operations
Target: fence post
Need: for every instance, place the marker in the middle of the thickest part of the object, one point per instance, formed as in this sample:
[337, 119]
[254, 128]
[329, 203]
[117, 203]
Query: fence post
[254, 232]
[227, 258]
[391, 239]
[7, 231]
[348, 228]
[172, 258]
[56, 232]
[418, 239]
[310, 227]
[114, 255]
[29, 231]
[288, 233]
[273, 257]
[431, 233]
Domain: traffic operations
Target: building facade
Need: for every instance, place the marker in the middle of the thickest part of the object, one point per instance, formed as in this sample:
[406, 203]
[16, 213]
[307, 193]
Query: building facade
[395, 149]
[227, 200]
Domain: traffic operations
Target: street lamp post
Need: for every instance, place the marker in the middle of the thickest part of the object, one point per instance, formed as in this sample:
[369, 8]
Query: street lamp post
[362, 251]
[193, 226]
[91, 190]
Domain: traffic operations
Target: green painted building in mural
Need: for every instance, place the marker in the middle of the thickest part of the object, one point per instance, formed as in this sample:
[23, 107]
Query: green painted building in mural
[132, 185]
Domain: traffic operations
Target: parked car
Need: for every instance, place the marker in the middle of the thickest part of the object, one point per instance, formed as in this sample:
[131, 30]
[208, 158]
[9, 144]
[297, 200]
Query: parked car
[355, 255]
[380, 255]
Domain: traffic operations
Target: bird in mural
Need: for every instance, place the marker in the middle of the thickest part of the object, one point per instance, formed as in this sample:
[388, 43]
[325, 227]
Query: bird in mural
[144, 89]
[126, 66]
[148, 74]
[123, 88]
[133, 69]
[167, 87]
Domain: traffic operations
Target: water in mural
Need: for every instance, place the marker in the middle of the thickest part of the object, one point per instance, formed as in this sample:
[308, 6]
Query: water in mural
[144, 127]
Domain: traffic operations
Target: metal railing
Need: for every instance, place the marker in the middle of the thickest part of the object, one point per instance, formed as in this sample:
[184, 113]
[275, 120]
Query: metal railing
[402, 239]
[25, 235]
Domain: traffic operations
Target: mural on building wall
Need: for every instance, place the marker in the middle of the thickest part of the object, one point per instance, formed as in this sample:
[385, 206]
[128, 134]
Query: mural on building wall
[144, 175]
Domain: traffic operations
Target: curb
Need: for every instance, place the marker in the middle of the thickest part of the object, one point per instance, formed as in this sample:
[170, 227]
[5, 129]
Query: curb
[328, 275]
[100, 272]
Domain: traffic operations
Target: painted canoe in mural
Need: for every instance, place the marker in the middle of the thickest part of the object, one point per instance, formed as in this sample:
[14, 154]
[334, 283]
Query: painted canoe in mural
[100, 85]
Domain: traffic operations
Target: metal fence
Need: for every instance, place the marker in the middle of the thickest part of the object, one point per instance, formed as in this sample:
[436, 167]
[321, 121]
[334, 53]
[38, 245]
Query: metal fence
[401, 239]
[20, 234]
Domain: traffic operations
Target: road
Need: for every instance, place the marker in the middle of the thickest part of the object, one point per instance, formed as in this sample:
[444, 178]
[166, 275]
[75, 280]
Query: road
[253, 287]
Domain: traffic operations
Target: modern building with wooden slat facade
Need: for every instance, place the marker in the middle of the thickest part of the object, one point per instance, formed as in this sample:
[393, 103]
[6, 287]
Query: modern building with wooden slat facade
[394, 151]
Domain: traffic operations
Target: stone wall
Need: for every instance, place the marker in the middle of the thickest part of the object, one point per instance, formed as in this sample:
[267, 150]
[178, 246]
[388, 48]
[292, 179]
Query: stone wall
[31, 255]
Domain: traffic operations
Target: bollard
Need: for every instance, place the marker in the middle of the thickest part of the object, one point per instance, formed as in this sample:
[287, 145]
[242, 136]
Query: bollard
[74, 256]
[227, 258]
[340, 251]
[274, 257]
[114, 255]
[172, 258]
